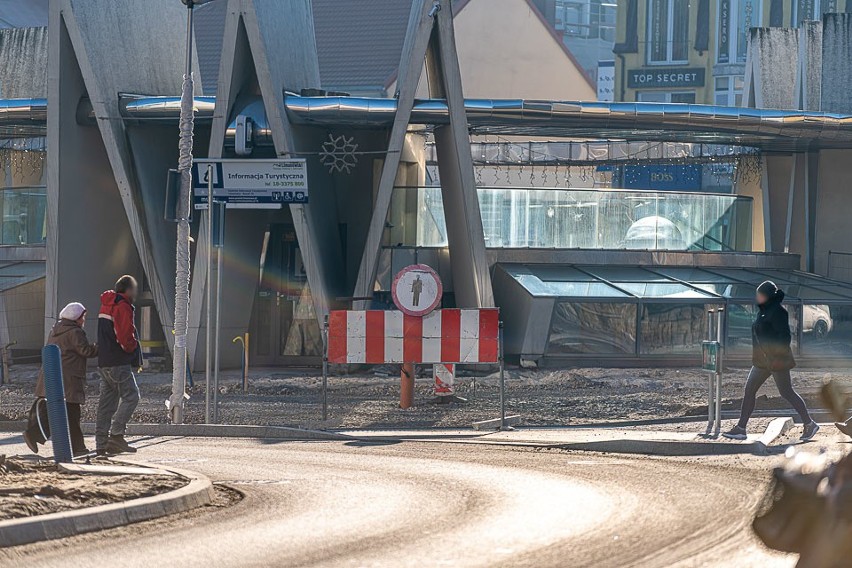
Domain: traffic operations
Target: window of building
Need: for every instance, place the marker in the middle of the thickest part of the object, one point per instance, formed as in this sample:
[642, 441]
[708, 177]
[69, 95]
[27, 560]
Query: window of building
[668, 31]
[586, 18]
[666, 97]
[734, 20]
[808, 10]
[729, 90]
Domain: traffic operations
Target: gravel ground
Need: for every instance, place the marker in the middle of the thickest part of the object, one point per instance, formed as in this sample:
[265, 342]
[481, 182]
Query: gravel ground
[369, 399]
[35, 487]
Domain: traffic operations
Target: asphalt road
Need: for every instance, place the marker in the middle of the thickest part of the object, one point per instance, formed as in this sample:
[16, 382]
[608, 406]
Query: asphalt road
[430, 504]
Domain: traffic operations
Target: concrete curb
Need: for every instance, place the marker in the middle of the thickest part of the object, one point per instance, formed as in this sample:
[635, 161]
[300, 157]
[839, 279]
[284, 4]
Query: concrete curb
[669, 448]
[198, 492]
[777, 428]
[206, 431]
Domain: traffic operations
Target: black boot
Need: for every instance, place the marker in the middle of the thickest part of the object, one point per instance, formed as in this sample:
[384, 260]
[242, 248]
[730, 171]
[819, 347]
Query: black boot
[118, 445]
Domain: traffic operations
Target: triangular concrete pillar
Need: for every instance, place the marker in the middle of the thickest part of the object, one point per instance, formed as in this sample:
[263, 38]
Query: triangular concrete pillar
[100, 49]
[430, 38]
[268, 48]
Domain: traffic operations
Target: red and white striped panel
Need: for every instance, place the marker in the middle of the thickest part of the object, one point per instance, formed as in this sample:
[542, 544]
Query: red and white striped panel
[387, 336]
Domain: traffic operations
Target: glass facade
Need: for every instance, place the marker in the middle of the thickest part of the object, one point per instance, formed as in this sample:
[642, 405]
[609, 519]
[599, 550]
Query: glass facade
[662, 311]
[592, 219]
[24, 210]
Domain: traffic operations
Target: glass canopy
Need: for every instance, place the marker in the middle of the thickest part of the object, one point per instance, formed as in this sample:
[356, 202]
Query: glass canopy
[661, 311]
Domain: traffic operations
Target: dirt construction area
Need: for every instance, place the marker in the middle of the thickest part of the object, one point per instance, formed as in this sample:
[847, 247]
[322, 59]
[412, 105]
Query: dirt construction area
[368, 398]
[30, 487]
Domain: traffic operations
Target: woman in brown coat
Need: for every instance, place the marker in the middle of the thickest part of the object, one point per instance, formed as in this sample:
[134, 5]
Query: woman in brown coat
[69, 335]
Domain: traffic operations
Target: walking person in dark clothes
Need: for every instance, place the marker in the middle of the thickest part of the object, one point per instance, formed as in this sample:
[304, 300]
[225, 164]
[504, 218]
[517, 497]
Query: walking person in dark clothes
[69, 336]
[771, 355]
[119, 354]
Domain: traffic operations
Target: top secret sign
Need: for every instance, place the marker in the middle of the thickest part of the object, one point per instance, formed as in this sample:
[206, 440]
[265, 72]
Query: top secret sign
[665, 77]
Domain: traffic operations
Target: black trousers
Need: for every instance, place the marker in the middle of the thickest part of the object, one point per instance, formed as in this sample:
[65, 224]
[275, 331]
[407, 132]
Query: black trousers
[756, 378]
[39, 429]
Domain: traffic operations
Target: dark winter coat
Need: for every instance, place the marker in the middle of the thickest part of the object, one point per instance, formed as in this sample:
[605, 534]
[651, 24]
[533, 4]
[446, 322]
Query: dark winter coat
[771, 338]
[75, 348]
[117, 337]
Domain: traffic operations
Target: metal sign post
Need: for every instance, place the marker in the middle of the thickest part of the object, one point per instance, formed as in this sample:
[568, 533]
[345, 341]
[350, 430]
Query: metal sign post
[711, 355]
[217, 232]
[209, 352]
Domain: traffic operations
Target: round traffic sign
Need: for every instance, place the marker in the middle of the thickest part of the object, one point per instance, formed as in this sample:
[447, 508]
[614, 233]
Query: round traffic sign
[417, 290]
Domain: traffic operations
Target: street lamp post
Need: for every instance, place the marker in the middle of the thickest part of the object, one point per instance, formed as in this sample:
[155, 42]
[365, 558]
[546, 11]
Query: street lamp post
[182, 252]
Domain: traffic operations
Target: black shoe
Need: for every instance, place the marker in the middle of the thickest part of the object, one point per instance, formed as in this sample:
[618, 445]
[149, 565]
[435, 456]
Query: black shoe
[31, 444]
[118, 445]
[809, 431]
[736, 433]
[844, 427]
[81, 452]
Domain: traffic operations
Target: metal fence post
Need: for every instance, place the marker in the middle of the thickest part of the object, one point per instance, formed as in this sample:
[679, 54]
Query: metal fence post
[720, 326]
[325, 369]
[502, 376]
[710, 378]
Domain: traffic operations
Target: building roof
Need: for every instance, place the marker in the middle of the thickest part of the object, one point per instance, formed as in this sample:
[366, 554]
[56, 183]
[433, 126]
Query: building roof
[359, 47]
[358, 43]
[23, 13]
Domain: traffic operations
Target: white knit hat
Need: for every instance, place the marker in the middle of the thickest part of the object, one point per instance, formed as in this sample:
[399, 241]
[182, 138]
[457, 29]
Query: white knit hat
[73, 311]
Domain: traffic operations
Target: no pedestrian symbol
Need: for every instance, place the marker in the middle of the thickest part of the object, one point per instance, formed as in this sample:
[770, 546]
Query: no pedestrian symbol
[417, 290]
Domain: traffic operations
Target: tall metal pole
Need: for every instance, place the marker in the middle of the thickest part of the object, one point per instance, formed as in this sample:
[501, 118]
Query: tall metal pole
[182, 249]
[218, 328]
[209, 334]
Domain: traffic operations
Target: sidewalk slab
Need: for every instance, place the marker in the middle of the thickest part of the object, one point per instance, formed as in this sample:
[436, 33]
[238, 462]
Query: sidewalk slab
[205, 431]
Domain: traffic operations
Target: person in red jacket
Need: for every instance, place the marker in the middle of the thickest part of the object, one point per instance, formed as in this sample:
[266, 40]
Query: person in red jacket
[118, 355]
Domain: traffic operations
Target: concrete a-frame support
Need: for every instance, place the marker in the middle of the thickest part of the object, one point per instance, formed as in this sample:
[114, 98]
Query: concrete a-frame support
[98, 49]
[430, 38]
[268, 47]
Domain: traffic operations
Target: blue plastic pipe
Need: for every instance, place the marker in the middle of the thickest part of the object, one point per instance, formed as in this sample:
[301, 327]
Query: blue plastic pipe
[57, 414]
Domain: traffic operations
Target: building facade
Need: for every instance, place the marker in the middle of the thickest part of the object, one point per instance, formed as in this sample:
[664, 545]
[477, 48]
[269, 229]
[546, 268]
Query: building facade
[587, 28]
[682, 51]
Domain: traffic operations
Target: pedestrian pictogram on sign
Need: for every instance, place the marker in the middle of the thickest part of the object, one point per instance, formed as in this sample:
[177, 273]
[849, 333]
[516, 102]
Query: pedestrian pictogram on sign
[417, 290]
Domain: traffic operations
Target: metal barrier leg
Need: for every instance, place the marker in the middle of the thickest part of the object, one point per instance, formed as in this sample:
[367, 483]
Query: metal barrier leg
[718, 405]
[325, 370]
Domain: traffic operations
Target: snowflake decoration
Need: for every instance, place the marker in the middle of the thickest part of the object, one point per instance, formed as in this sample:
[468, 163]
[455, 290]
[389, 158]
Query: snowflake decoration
[338, 153]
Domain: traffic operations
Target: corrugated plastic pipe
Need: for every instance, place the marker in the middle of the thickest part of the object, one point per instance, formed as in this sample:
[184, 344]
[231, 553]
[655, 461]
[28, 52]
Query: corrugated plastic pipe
[57, 413]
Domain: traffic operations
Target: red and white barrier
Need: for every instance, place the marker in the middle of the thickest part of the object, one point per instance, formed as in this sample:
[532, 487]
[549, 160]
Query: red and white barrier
[445, 379]
[388, 336]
